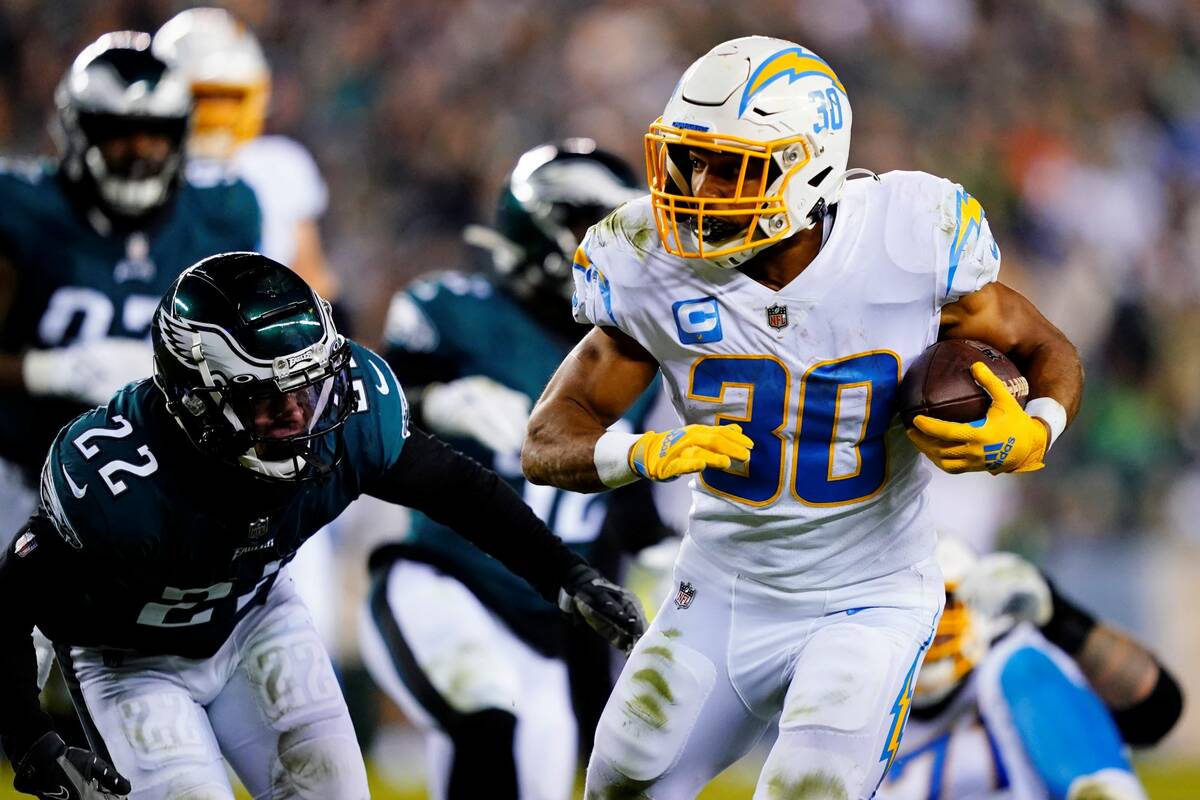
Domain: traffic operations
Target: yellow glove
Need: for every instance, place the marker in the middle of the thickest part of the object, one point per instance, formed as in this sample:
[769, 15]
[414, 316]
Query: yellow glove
[1007, 440]
[667, 455]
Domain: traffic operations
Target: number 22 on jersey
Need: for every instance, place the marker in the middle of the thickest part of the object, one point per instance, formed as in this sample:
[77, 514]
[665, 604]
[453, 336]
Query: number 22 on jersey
[838, 452]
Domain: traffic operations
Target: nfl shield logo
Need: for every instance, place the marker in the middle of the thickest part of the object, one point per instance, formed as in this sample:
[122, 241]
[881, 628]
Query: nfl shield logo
[777, 316]
[685, 595]
[259, 527]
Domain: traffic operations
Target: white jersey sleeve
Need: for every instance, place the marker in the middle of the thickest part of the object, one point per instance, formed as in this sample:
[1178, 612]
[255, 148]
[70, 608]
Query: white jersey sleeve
[937, 226]
[605, 267]
[289, 187]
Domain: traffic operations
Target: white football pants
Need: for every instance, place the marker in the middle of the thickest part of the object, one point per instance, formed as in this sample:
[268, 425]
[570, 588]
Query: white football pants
[443, 655]
[267, 701]
[833, 670]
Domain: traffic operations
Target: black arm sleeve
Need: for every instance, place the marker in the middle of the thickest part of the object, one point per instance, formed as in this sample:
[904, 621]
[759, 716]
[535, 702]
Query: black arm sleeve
[1145, 723]
[460, 493]
[22, 721]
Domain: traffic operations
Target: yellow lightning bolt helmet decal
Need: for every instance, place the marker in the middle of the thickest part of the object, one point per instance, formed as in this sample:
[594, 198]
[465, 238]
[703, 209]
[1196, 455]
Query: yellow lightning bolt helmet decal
[794, 63]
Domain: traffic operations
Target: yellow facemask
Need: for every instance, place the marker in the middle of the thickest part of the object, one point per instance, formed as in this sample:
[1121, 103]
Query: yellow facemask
[681, 217]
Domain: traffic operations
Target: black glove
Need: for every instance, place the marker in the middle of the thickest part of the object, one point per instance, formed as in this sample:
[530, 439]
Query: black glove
[52, 771]
[611, 611]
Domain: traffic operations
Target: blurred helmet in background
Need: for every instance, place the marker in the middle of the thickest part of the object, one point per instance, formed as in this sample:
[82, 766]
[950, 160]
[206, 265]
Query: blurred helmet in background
[228, 73]
[554, 194]
[960, 642]
[784, 113]
[122, 118]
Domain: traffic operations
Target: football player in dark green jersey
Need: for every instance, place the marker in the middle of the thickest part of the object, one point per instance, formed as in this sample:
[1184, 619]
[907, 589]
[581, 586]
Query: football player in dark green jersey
[473, 654]
[89, 243]
[157, 562]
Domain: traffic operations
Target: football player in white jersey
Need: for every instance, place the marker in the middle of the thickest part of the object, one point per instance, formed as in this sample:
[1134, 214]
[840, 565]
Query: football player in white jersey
[782, 304]
[231, 84]
[1003, 708]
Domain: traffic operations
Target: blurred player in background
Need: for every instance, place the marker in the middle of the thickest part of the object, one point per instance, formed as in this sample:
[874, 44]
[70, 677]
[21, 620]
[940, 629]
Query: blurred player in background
[89, 244]
[781, 303]
[1010, 703]
[474, 656]
[158, 560]
[231, 86]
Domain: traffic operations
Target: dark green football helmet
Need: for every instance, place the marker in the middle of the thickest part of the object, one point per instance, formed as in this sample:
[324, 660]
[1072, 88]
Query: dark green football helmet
[554, 194]
[252, 367]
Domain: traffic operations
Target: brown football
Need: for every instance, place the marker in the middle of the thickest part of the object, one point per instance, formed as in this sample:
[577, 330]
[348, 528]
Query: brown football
[939, 383]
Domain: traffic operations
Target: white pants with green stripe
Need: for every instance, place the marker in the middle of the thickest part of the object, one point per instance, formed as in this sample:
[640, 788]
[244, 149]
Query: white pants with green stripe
[727, 659]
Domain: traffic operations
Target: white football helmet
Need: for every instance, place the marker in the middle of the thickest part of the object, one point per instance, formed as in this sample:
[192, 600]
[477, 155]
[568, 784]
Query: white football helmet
[785, 112]
[961, 640]
[230, 79]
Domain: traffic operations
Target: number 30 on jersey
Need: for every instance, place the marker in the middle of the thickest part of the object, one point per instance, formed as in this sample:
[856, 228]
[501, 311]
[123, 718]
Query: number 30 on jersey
[838, 452]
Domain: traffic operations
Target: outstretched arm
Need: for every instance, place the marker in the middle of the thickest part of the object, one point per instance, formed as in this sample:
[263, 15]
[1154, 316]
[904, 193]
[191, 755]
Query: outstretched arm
[1141, 692]
[457, 491]
[597, 382]
[568, 446]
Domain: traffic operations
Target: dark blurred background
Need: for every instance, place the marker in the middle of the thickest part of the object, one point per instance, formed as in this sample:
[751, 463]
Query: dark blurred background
[1075, 122]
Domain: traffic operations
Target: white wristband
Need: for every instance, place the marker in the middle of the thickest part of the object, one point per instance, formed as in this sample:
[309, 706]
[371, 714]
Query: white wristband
[611, 457]
[1051, 412]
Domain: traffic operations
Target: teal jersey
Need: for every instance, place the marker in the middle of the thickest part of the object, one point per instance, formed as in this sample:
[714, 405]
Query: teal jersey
[451, 325]
[162, 550]
[73, 283]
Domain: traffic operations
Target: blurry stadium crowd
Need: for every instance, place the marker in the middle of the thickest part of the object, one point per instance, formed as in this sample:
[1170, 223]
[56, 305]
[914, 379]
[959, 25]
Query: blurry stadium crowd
[1075, 122]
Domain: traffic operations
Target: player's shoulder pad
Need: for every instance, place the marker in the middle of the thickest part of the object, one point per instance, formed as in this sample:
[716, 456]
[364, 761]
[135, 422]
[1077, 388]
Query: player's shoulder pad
[27, 190]
[1032, 690]
[225, 202]
[935, 226]
[432, 309]
[612, 256]
[98, 483]
[17, 174]
[376, 432]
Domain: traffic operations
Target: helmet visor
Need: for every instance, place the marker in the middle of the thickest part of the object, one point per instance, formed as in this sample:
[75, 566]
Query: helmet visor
[753, 212]
[285, 424]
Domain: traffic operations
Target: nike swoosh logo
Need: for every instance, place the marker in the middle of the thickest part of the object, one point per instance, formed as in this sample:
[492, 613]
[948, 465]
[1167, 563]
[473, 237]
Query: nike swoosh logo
[381, 384]
[62, 793]
[75, 490]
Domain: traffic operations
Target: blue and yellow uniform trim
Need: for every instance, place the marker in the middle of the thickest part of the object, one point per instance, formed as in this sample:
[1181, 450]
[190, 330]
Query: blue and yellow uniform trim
[968, 222]
[793, 63]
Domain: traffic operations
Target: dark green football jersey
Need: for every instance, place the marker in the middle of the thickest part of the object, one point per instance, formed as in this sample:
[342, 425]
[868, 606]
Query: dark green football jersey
[451, 325]
[73, 283]
[163, 550]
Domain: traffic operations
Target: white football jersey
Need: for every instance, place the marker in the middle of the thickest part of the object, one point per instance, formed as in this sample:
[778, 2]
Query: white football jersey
[833, 493]
[289, 188]
[1024, 726]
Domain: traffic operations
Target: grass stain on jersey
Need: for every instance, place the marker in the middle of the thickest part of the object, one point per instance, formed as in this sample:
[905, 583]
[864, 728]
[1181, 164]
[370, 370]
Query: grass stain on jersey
[814, 786]
[798, 714]
[655, 680]
[647, 708]
[315, 768]
[658, 650]
[672, 633]
[622, 788]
